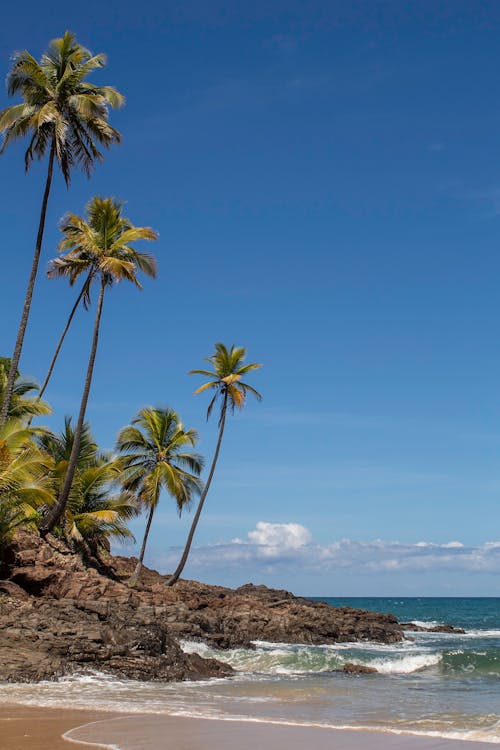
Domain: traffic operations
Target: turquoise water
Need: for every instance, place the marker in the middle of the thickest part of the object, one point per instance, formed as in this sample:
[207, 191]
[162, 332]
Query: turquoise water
[473, 612]
[445, 685]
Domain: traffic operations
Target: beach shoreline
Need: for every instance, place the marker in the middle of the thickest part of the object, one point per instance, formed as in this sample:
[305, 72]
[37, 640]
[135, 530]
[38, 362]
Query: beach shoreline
[29, 727]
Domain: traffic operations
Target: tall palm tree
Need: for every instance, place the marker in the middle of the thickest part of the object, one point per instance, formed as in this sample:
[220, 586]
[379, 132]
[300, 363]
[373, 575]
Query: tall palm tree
[154, 458]
[23, 406]
[101, 246]
[228, 369]
[62, 115]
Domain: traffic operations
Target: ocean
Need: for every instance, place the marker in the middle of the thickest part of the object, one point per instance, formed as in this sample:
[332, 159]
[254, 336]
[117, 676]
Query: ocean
[433, 684]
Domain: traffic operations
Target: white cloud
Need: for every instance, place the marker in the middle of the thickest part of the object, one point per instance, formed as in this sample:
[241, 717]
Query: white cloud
[273, 547]
[281, 535]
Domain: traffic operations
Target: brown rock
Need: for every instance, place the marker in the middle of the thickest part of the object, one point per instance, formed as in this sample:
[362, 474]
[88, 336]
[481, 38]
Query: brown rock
[43, 639]
[351, 668]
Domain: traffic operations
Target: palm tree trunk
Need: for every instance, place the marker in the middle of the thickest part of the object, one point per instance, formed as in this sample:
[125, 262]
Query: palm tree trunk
[61, 341]
[59, 508]
[132, 581]
[29, 294]
[174, 578]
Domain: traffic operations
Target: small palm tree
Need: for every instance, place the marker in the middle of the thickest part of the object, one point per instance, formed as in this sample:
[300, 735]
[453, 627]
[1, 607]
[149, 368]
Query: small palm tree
[94, 513]
[62, 114]
[59, 447]
[154, 458]
[226, 380]
[100, 246]
[23, 406]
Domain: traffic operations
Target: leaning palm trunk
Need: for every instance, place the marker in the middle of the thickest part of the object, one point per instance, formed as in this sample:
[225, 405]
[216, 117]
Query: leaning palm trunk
[84, 290]
[132, 581]
[29, 294]
[58, 510]
[175, 577]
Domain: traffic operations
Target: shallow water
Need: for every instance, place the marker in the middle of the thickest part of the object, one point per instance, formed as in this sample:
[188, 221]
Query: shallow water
[443, 685]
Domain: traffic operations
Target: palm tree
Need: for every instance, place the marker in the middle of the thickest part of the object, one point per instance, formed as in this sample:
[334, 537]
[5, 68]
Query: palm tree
[226, 380]
[25, 483]
[59, 447]
[64, 115]
[155, 459]
[100, 246]
[22, 406]
[94, 513]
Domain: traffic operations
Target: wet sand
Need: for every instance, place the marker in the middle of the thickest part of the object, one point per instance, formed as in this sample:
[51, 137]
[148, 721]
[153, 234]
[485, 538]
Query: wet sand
[155, 732]
[30, 728]
[27, 728]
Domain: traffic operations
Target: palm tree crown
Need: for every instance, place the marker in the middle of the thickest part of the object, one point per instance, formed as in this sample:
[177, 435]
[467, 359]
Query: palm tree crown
[59, 446]
[95, 515]
[101, 245]
[154, 457]
[226, 378]
[60, 109]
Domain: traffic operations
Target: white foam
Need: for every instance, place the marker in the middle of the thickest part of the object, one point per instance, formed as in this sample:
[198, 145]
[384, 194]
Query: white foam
[406, 664]
[294, 660]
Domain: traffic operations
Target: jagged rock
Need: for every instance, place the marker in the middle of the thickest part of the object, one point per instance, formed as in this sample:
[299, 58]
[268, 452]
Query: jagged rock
[44, 639]
[235, 617]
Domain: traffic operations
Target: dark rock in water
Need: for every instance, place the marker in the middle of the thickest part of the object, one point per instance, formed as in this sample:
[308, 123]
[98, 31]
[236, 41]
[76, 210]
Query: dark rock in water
[432, 629]
[43, 639]
[351, 668]
[57, 616]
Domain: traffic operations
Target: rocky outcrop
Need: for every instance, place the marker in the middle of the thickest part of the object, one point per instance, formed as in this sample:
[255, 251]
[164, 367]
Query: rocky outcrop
[230, 618]
[58, 615]
[44, 639]
[444, 628]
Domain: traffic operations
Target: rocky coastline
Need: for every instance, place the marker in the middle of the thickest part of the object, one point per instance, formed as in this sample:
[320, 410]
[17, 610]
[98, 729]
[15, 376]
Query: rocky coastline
[59, 616]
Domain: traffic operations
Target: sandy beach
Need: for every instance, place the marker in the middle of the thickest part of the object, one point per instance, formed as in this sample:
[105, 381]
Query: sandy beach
[34, 728]
[28, 728]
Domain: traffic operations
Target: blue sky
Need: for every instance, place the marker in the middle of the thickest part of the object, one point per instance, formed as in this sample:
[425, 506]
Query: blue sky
[325, 181]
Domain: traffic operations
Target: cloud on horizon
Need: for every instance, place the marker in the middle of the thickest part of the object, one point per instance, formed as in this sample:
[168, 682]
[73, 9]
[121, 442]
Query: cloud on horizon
[276, 547]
